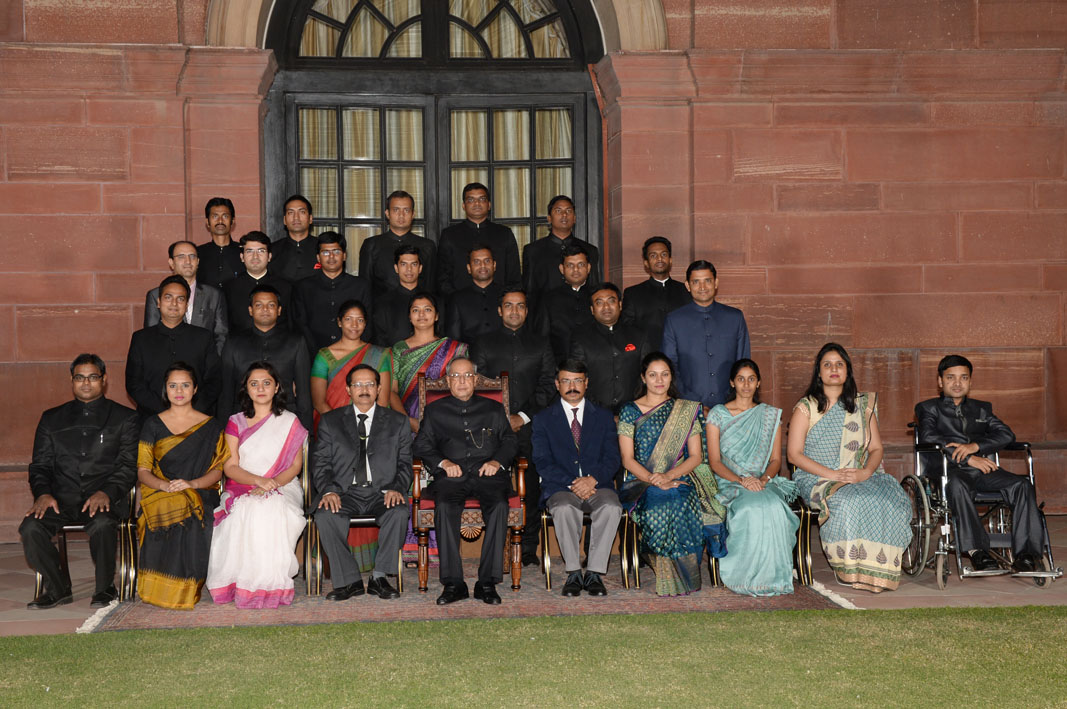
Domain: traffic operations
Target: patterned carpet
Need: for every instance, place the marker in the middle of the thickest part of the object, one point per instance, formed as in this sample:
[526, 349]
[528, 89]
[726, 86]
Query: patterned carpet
[531, 601]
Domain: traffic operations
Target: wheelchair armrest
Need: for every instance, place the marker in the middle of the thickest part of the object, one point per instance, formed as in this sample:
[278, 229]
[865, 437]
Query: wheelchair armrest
[929, 448]
[1018, 446]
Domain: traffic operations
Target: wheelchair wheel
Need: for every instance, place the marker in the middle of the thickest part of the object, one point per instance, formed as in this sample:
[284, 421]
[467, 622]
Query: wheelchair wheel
[1043, 581]
[942, 570]
[918, 550]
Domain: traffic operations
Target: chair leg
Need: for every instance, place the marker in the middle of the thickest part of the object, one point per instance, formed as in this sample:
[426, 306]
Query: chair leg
[624, 540]
[424, 558]
[635, 560]
[400, 569]
[63, 563]
[546, 558]
[713, 571]
[802, 552]
[516, 558]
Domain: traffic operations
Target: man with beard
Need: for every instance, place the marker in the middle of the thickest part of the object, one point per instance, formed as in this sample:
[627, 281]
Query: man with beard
[473, 311]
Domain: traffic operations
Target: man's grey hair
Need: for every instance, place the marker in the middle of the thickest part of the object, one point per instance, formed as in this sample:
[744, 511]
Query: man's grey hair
[448, 368]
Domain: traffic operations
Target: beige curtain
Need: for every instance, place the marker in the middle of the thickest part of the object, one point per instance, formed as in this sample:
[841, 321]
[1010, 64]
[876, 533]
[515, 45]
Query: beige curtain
[469, 132]
[460, 178]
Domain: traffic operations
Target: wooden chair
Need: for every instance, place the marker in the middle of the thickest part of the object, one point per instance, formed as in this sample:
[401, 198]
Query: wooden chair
[471, 523]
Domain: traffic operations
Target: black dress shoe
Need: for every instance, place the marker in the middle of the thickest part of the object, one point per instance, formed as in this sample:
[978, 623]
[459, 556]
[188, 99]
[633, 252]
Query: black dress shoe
[104, 598]
[574, 584]
[380, 587]
[1024, 563]
[453, 592]
[47, 600]
[982, 561]
[593, 585]
[486, 593]
[345, 592]
[529, 558]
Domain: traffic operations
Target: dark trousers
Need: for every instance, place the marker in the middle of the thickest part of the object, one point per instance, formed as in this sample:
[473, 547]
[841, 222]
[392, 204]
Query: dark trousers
[531, 533]
[1018, 493]
[449, 495]
[333, 533]
[43, 557]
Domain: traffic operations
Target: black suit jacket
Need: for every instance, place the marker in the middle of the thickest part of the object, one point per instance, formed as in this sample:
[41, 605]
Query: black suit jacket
[336, 452]
[377, 264]
[468, 433]
[155, 348]
[294, 260]
[315, 303]
[527, 358]
[562, 312]
[473, 312]
[939, 423]
[540, 265]
[286, 350]
[238, 292]
[453, 254]
[614, 359]
[209, 311]
[647, 304]
[219, 264]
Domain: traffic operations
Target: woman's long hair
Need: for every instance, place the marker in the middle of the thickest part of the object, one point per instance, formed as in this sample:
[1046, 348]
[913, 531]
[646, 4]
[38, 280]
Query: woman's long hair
[848, 392]
[642, 388]
[244, 401]
[738, 366]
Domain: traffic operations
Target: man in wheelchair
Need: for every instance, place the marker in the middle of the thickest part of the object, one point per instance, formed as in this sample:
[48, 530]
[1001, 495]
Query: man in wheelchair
[970, 432]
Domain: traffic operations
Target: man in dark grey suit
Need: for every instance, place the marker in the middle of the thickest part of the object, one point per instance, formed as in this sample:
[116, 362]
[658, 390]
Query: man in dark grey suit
[361, 464]
[206, 308]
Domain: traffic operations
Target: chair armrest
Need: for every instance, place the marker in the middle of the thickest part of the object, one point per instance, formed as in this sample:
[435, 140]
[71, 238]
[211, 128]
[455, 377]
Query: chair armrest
[519, 477]
[416, 484]
[1018, 446]
[929, 448]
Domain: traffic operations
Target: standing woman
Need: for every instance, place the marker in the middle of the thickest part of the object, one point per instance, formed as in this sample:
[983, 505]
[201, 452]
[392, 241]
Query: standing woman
[179, 463]
[834, 442]
[261, 515]
[745, 451]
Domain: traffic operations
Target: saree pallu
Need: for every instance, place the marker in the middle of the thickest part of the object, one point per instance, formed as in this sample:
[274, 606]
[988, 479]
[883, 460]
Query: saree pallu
[252, 560]
[865, 526]
[762, 527]
[174, 529]
[672, 530]
[363, 541]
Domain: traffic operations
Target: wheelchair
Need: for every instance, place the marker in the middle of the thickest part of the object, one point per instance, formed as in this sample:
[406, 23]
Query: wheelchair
[927, 490]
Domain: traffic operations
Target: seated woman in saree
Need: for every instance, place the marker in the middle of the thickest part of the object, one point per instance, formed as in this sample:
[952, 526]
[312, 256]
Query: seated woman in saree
[660, 442]
[179, 463]
[261, 514]
[834, 443]
[745, 451]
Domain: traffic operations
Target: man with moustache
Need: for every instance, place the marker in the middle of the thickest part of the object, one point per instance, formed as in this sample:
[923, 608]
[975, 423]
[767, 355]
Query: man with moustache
[220, 258]
[296, 255]
[153, 349]
[541, 258]
[565, 310]
[317, 298]
[527, 358]
[361, 465]
[377, 253]
[467, 444]
[255, 255]
[84, 464]
[472, 311]
[391, 318]
[458, 240]
[206, 307]
[647, 303]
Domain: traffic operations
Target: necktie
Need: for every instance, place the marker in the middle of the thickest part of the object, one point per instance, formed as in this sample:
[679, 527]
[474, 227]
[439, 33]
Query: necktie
[361, 466]
[576, 428]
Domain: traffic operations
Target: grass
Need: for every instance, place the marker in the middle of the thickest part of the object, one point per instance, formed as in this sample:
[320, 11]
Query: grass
[919, 657]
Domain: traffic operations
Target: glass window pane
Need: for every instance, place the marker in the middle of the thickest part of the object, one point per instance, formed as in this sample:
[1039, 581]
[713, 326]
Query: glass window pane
[462, 44]
[511, 135]
[418, 229]
[366, 35]
[398, 10]
[473, 11]
[469, 133]
[530, 10]
[550, 41]
[461, 177]
[552, 181]
[403, 134]
[318, 134]
[319, 185]
[337, 9]
[318, 39]
[361, 134]
[410, 180]
[553, 133]
[355, 235]
[522, 236]
[505, 38]
[408, 44]
[362, 193]
[511, 192]
[542, 229]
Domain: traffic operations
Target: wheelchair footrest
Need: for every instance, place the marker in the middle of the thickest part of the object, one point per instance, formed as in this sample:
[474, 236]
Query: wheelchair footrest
[1054, 574]
[968, 572]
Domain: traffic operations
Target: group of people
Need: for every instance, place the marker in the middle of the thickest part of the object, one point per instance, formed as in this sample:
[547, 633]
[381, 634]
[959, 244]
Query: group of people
[645, 400]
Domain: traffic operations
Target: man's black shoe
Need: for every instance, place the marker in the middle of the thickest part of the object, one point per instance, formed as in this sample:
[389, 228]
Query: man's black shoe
[486, 592]
[452, 593]
[104, 598]
[574, 585]
[380, 587]
[346, 592]
[1024, 563]
[529, 558]
[982, 561]
[593, 585]
[47, 600]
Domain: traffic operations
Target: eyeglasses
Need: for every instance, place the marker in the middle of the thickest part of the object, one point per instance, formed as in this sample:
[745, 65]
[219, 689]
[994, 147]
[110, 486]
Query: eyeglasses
[330, 252]
[81, 378]
[363, 385]
[568, 382]
[259, 252]
[462, 375]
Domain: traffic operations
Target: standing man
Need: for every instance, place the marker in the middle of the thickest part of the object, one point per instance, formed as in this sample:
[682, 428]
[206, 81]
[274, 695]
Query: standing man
[376, 255]
[84, 464]
[527, 358]
[704, 339]
[540, 258]
[474, 310]
[565, 310]
[968, 428]
[361, 464]
[220, 258]
[647, 303]
[171, 340]
[255, 255]
[460, 239]
[392, 322]
[317, 298]
[296, 255]
[576, 449]
[613, 349]
[267, 341]
[206, 307]
[466, 443]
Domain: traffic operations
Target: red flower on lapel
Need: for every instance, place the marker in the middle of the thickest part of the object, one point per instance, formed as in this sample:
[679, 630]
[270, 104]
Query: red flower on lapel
[630, 347]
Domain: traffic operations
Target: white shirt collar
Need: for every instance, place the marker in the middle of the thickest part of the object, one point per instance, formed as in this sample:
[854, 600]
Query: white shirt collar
[567, 409]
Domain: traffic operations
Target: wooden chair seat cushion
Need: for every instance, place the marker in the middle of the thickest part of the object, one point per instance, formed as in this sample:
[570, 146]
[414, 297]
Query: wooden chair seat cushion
[472, 513]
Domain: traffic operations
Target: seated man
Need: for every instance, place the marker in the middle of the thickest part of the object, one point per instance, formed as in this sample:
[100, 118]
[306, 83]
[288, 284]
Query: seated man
[576, 451]
[468, 445]
[84, 464]
[361, 464]
[968, 428]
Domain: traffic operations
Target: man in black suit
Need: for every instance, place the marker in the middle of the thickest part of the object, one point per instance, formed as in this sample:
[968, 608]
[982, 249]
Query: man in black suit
[613, 349]
[220, 258]
[647, 303]
[295, 255]
[391, 318]
[206, 307]
[376, 253]
[361, 464]
[171, 340]
[969, 429]
[576, 448]
[467, 444]
[317, 298]
[565, 310]
[472, 311]
[84, 464]
[477, 229]
[540, 258]
[255, 255]
[527, 358]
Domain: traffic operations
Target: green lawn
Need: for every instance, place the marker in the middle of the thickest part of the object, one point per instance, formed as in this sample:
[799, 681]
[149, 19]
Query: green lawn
[921, 657]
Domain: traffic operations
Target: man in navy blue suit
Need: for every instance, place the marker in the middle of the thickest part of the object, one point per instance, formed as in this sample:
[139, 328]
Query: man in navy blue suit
[576, 443]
